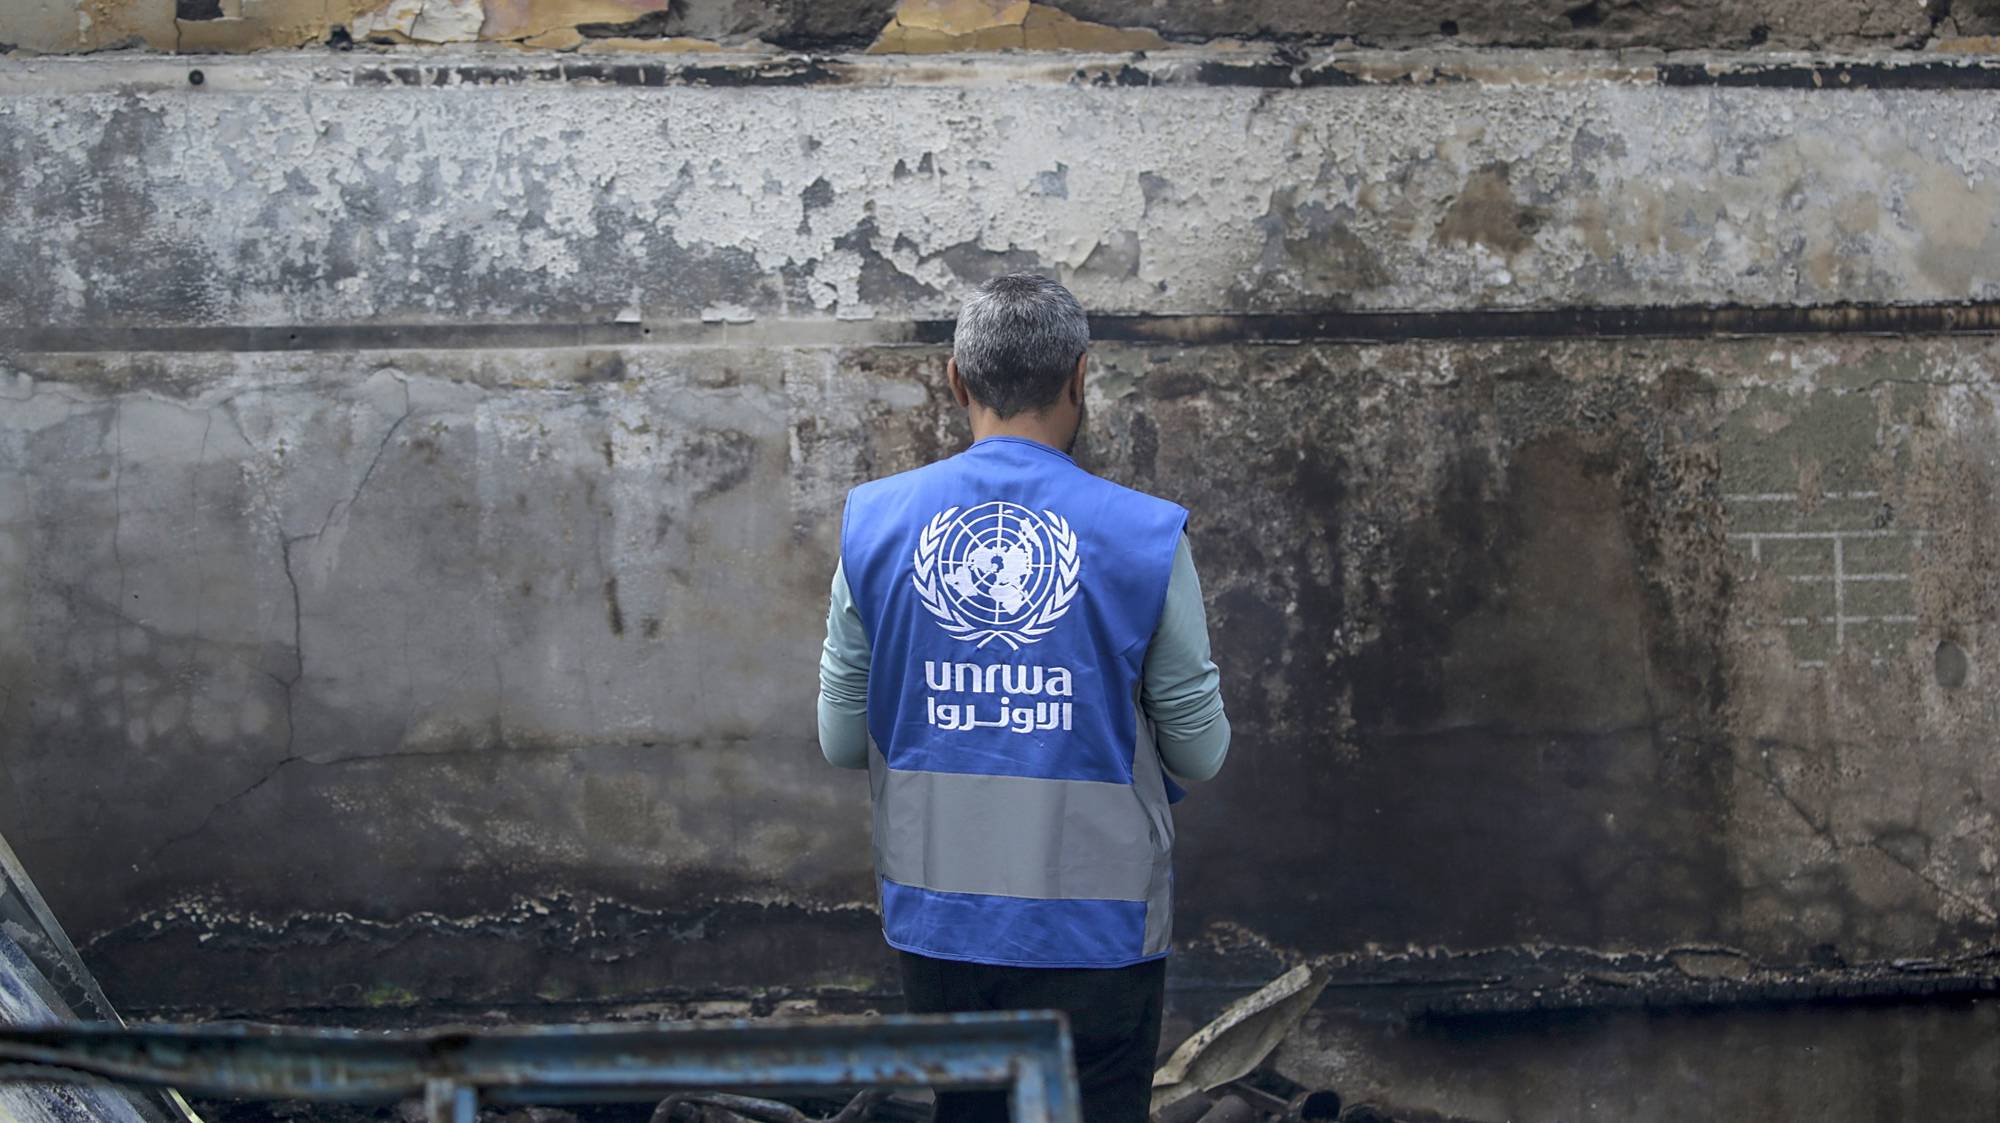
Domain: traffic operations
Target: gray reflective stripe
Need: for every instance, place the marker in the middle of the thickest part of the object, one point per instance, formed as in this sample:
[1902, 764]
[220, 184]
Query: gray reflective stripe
[1015, 836]
[1149, 782]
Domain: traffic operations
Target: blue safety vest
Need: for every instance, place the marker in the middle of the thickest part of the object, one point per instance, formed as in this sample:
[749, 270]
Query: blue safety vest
[1021, 812]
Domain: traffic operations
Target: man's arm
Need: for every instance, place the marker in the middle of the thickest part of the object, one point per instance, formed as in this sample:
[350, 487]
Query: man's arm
[1183, 690]
[843, 681]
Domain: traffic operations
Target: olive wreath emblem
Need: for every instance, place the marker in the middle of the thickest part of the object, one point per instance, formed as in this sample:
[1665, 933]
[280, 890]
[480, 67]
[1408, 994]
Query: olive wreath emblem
[955, 624]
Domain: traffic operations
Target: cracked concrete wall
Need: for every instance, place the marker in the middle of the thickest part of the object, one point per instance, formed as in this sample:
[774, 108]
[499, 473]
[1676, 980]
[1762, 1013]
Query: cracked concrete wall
[356, 681]
[159, 204]
[479, 628]
[368, 675]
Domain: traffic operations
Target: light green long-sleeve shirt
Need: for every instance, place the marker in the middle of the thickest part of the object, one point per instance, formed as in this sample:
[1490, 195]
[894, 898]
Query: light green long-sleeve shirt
[1181, 695]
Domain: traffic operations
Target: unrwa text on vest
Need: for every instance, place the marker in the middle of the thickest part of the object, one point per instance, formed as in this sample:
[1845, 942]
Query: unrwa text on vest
[1008, 680]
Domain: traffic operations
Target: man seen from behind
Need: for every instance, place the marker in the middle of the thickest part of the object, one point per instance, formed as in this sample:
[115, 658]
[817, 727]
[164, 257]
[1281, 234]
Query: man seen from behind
[1024, 645]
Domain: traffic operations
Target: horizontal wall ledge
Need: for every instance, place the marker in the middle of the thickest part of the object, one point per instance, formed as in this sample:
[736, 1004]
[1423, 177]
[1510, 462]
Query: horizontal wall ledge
[1555, 323]
[1288, 327]
[1524, 980]
[551, 202]
[1280, 68]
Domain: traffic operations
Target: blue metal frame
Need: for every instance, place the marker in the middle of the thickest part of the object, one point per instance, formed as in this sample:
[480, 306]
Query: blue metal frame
[456, 1070]
[43, 980]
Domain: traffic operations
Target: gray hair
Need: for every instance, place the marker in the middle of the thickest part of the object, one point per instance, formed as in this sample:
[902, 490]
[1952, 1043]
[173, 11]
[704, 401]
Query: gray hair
[1017, 341]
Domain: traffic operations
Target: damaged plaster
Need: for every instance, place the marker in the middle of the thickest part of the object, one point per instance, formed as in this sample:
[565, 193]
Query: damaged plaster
[925, 26]
[414, 546]
[322, 650]
[65, 26]
[83, 26]
[575, 202]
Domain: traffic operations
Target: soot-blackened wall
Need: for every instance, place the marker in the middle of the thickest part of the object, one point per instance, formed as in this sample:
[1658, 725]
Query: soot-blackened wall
[421, 478]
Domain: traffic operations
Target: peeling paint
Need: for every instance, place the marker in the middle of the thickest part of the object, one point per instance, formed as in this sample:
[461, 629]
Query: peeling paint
[418, 502]
[529, 19]
[359, 205]
[83, 26]
[424, 21]
[929, 26]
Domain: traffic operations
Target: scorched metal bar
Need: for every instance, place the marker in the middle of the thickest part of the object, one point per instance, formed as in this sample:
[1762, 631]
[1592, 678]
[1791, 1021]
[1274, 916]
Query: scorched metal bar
[1028, 1053]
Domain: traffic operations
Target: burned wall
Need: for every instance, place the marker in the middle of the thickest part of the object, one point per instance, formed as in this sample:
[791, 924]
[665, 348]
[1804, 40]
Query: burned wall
[421, 485]
[921, 26]
[1614, 646]
[559, 192]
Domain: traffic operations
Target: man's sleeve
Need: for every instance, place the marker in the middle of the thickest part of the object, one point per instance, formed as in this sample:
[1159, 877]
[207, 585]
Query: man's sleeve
[1183, 690]
[843, 681]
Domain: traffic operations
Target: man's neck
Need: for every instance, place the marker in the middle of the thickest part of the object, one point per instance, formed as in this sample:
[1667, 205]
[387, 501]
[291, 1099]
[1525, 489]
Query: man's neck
[1029, 426]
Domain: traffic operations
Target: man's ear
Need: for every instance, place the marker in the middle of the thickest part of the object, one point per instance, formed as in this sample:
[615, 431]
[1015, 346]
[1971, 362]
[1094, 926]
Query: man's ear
[957, 381]
[1076, 380]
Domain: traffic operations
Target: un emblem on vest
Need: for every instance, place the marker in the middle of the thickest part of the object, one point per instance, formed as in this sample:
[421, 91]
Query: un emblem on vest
[998, 571]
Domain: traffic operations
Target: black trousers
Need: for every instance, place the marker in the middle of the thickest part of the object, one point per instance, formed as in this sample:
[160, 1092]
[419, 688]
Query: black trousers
[1114, 1020]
